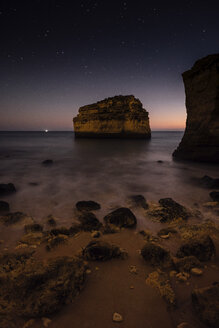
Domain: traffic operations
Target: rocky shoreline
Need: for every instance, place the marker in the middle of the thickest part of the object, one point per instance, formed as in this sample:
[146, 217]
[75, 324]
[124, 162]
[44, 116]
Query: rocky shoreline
[49, 267]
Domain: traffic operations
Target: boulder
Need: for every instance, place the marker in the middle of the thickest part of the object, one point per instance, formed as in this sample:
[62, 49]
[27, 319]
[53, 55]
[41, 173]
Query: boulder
[33, 288]
[156, 255]
[4, 207]
[89, 221]
[119, 116]
[169, 210]
[201, 247]
[139, 201]
[214, 196]
[100, 251]
[206, 303]
[122, 217]
[201, 138]
[209, 182]
[7, 189]
[88, 205]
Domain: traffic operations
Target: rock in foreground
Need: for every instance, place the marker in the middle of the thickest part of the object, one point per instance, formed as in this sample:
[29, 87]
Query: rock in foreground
[122, 218]
[119, 116]
[201, 139]
[32, 288]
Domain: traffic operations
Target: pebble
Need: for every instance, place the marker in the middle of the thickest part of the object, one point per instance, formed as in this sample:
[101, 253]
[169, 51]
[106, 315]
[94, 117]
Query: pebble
[182, 276]
[183, 325]
[46, 322]
[95, 234]
[133, 269]
[196, 271]
[165, 236]
[172, 273]
[117, 317]
[88, 271]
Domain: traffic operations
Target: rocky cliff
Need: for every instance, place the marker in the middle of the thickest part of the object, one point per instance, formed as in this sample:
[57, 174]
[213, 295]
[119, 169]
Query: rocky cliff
[119, 116]
[201, 138]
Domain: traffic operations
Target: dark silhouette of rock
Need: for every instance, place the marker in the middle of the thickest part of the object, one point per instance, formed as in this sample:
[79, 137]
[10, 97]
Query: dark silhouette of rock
[201, 138]
[119, 116]
[206, 303]
[88, 205]
[7, 189]
[169, 211]
[122, 217]
[209, 182]
[215, 196]
[47, 162]
[100, 251]
[202, 247]
[156, 255]
[4, 207]
[139, 201]
[89, 221]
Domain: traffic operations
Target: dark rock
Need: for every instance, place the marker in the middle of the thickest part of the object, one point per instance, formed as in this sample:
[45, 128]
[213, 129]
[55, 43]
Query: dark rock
[89, 221]
[206, 303]
[12, 218]
[34, 184]
[34, 227]
[47, 162]
[156, 255]
[209, 182]
[201, 247]
[172, 210]
[33, 288]
[215, 196]
[201, 138]
[160, 162]
[139, 201]
[100, 251]
[61, 231]
[87, 205]
[185, 264]
[122, 217]
[51, 221]
[4, 207]
[7, 189]
[115, 117]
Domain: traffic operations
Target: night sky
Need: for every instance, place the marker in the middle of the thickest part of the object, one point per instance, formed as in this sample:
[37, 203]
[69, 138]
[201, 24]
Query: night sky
[56, 56]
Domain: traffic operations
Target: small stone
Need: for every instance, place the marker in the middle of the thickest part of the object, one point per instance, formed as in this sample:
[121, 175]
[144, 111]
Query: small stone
[88, 271]
[133, 269]
[46, 322]
[165, 236]
[29, 323]
[1, 241]
[131, 287]
[196, 271]
[117, 317]
[172, 273]
[95, 234]
[182, 276]
[183, 325]
[97, 268]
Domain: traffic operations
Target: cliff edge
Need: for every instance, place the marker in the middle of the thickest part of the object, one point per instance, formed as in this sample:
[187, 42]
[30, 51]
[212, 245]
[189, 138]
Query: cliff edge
[201, 138]
[118, 117]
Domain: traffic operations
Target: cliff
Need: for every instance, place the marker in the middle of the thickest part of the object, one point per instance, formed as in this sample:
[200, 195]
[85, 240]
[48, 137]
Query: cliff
[119, 116]
[201, 138]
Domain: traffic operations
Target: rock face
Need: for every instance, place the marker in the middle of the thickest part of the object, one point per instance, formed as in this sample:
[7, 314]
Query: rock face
[201, 138]
[119, 116]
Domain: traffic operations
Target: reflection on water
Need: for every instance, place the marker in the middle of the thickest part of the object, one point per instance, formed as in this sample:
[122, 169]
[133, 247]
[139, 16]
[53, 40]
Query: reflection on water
[107, 171]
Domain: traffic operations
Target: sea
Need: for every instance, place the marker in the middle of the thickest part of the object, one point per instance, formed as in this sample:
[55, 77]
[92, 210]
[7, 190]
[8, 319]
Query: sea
[108, 171]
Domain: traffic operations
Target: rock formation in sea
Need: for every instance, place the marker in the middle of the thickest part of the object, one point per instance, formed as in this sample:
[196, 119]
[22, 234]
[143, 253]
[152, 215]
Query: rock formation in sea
[119, 116]
[201, 138]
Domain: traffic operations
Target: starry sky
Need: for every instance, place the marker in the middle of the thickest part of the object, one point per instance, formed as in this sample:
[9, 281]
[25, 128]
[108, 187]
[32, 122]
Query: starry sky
[56, 56]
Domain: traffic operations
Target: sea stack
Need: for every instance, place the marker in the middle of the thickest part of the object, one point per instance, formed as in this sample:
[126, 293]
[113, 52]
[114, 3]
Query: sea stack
[201, 138]
[115, 117]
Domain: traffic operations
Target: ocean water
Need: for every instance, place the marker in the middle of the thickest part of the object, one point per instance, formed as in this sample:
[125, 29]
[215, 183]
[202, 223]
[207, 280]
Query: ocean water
[107, 171]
